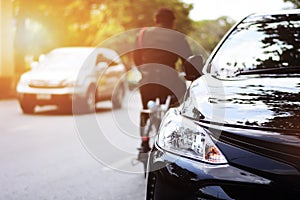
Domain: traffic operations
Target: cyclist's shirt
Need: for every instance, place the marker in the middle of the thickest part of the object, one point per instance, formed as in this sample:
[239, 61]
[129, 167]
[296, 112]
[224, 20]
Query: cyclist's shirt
[158, 50]
[162, 46]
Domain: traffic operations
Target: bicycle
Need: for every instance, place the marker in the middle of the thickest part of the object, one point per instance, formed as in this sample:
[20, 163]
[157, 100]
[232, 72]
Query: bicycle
[150, 122]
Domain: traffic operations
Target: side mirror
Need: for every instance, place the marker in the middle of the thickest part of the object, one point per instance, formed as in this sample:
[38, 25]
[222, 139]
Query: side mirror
[193, 67]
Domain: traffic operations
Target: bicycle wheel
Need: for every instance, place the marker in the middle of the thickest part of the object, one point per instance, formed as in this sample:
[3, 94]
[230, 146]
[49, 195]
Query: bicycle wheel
[145, 126]
[145, 163]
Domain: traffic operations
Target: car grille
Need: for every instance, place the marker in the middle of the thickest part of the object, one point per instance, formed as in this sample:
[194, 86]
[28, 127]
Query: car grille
[45, 84]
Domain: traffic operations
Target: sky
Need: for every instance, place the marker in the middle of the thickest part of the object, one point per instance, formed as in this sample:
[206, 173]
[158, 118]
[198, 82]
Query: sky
[236, 9]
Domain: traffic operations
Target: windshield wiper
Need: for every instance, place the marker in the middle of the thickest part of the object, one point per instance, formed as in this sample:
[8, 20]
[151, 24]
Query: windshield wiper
[280, 70]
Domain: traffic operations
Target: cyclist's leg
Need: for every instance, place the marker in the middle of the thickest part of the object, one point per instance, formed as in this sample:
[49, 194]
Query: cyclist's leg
[143, 121]
[145, 92]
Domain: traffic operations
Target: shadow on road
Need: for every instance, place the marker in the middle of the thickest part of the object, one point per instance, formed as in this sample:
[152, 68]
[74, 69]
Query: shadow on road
[53, 110]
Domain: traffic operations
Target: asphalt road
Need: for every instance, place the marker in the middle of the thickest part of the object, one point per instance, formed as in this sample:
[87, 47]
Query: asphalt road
[49, 155]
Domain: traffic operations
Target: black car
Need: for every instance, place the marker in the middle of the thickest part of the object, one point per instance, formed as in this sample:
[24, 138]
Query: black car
[237, 133]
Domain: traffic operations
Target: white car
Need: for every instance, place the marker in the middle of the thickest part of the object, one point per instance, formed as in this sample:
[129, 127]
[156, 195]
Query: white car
[82, 75]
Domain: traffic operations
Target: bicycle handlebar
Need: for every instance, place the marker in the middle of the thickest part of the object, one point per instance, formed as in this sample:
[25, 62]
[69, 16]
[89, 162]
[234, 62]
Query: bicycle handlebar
[154, 106]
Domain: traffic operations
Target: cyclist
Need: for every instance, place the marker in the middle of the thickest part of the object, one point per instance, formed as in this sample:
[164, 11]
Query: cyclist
[157, 51]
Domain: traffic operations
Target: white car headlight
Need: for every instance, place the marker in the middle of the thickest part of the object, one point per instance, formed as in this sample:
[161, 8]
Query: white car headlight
[184, 137]
[24, 80]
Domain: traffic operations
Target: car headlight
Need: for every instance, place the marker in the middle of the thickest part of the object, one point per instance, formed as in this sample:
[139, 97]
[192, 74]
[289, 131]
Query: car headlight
[24, 81]
[182, 136]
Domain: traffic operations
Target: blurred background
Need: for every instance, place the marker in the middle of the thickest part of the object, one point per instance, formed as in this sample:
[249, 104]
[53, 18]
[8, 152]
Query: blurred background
[30, 28]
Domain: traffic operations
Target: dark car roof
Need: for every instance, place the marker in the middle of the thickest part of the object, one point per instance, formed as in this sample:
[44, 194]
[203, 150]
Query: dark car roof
[277, 12]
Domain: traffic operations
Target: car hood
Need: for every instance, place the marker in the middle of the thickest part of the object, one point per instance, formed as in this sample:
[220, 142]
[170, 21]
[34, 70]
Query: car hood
[272, 102]
[50, 75]
[261, 114]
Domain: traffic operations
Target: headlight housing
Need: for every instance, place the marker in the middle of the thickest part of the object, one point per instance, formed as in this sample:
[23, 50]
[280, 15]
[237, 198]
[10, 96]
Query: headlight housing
[182, 136]
[24, 80]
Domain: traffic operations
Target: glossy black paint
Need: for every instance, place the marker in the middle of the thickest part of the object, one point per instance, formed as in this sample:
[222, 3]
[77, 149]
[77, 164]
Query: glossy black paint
[250, 100]
[248, 169]
[186, 179]
[253, 117]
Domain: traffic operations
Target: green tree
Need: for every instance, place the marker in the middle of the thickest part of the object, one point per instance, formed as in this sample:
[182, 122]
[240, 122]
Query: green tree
[295, 2]
[86, 22]
[45, 24]
[120, 15]
[209, 32]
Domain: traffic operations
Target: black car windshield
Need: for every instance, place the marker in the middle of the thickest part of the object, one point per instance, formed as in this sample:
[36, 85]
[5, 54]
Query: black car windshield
[261, 44]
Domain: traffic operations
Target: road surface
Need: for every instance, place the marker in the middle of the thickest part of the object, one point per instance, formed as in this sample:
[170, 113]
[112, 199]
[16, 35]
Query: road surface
[49, 155]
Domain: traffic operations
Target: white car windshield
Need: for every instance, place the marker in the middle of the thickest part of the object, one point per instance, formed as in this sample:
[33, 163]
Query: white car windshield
[63, 60]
